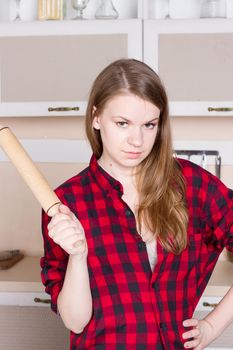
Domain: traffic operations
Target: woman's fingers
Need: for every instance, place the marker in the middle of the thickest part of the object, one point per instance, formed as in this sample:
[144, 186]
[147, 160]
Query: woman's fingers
[66, 230]
[66, 225]
[74, 243]
[192, 336]
[193, 333]
[200, 335]
[191, 322]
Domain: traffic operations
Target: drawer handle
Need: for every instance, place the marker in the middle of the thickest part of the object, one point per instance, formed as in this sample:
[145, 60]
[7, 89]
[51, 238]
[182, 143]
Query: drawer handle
[62, 109]
[42, 301]
[205, 303]
[220, 109]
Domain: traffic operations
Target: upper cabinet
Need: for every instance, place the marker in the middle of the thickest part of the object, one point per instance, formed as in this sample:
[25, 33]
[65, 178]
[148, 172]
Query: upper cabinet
[47, 68]
[194, 59]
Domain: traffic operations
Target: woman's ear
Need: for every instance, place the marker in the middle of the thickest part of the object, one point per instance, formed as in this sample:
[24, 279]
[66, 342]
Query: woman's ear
[96, 119]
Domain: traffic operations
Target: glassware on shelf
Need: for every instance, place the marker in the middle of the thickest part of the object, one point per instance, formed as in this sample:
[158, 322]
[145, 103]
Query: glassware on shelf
[106, 10]
[50, 9]
[17, 10]
[213, 8]
[17, 17]
[79, 5]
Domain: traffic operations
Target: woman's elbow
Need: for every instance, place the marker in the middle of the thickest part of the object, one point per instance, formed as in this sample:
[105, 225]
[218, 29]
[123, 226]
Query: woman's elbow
[76, 331]
[74, 326]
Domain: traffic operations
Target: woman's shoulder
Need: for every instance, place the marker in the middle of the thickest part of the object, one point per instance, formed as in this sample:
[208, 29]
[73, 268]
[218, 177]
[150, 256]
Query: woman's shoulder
[201, 179]
[190, 169]
[77, 181]
[196, 176]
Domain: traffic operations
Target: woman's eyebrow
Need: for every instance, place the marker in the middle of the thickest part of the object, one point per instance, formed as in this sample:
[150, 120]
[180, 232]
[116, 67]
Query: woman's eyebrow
[128, 120]
[120, 116]
[153, 120]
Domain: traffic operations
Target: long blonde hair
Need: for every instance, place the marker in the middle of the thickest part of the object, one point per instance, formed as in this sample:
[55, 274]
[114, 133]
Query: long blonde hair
[160, 183]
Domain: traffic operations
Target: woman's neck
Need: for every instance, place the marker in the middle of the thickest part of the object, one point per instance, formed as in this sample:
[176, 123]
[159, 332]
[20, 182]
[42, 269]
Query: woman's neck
[124, 175]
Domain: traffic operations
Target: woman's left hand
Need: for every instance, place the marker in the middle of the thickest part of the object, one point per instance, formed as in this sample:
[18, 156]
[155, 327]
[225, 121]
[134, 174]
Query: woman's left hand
[201, 334]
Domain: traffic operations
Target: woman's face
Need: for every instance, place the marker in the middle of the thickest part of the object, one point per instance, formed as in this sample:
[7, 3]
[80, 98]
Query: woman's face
[128, 127]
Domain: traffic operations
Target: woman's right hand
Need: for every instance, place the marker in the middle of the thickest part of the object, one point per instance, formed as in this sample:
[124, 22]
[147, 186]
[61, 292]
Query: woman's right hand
[66, 230]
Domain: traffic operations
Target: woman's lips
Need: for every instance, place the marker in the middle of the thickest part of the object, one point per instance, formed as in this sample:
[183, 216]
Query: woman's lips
[133, 155]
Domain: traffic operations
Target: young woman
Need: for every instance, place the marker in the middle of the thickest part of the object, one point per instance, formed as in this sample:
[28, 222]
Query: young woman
[139, 232]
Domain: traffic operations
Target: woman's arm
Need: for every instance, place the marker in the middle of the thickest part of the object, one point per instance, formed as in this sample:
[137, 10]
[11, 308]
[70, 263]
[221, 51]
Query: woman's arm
[206, 330]
[74, 300]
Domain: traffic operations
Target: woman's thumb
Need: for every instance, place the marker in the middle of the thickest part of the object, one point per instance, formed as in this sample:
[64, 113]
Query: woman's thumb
[64, 209]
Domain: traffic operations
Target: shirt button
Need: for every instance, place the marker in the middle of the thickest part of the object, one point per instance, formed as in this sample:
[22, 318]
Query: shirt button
[127, 212]
[141, 245]
[163, 326]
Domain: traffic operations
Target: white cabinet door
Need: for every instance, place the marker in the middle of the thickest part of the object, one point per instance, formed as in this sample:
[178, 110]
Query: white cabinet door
[47, 65]
[194, 59]
[27, 328]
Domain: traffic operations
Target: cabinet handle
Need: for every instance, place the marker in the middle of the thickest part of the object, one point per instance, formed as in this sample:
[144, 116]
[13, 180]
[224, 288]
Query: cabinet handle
[220, 109]
[209, 304]
[62, 109]
[42, 301]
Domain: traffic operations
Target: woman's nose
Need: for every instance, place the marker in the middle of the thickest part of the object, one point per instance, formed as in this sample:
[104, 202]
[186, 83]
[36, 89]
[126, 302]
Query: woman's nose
[135, 137]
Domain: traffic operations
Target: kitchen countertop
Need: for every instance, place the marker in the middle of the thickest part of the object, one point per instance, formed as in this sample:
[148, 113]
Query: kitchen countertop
[25, 277]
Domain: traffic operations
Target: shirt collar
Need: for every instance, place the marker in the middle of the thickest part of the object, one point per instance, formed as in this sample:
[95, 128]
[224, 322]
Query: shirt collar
[105, 181]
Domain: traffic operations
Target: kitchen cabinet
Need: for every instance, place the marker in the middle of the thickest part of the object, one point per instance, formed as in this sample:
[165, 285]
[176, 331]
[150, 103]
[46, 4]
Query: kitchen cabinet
[50, 65]
[26, 321]
[31, 328]
[194, 59]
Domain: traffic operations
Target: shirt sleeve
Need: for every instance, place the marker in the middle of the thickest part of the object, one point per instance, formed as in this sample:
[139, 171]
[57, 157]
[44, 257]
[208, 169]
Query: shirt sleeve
[53, 264]
[218, 213]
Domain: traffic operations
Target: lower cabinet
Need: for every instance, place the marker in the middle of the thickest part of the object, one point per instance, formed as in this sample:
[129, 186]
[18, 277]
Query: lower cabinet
[32, 328]
[26, 327]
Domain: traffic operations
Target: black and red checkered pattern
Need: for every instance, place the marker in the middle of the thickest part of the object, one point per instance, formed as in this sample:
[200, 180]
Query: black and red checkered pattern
[133, 307]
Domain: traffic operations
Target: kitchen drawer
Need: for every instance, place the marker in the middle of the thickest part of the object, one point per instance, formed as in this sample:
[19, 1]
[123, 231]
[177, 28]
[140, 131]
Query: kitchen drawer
[24, 299]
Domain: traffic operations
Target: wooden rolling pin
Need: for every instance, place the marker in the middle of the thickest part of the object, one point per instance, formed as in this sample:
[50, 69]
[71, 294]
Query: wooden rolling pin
[29, 172]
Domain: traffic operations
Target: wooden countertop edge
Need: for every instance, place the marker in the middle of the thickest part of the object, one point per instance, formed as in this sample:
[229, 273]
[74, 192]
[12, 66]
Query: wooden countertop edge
[13, 280]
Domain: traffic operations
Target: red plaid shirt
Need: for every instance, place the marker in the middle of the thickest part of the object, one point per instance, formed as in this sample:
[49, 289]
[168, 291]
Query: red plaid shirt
[133, 307]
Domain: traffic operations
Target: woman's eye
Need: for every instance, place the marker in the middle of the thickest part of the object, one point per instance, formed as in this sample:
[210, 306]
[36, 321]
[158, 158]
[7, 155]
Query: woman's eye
[150, 125]
[122, 124]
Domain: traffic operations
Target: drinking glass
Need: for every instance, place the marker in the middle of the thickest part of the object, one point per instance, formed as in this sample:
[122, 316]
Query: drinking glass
[106, 10]
[79, 5]
[17, 10]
